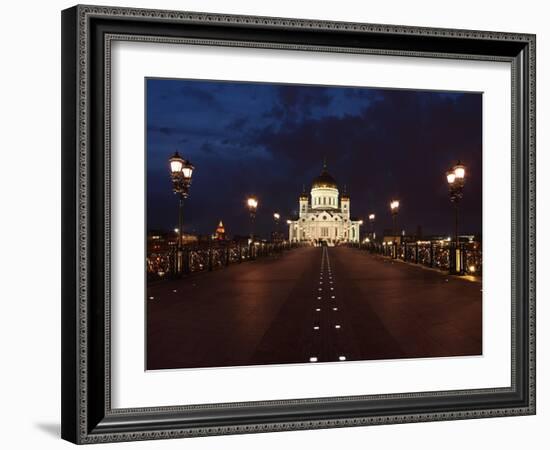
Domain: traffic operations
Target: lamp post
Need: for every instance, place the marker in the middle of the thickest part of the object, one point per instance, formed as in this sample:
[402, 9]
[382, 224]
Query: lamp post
[252, 205]
[181, 172]
[372, 217]
[360, 223]
[394, 208]
[291, 238]
[455, 180]
[276, 218]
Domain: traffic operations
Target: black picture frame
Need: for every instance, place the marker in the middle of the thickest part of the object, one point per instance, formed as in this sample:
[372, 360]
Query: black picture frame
[87, 415]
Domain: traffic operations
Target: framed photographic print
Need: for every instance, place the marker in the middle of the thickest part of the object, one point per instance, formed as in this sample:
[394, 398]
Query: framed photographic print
[268, 222]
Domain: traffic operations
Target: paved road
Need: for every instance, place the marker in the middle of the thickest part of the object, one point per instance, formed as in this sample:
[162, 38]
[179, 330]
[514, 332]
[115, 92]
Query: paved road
[311, 304]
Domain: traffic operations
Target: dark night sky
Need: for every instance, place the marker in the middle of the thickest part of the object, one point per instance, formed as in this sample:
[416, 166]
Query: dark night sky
[270, 139]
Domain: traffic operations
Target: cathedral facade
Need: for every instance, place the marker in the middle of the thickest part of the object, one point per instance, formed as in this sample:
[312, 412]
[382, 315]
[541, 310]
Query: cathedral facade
[324, 215]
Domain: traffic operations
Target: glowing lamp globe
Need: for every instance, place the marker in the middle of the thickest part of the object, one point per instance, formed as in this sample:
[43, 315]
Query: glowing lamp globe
[451, 176]
[460, 171]
[176, 163]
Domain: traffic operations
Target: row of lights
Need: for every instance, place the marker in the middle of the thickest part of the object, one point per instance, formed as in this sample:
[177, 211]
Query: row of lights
[181, 171]
[325, 261]
[252, 204]
[455, 180]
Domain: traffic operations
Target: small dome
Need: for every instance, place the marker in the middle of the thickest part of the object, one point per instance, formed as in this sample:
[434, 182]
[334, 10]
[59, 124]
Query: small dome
[324, 180]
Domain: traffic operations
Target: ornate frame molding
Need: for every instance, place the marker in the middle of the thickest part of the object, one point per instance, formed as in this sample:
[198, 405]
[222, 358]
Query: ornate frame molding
[80, 418]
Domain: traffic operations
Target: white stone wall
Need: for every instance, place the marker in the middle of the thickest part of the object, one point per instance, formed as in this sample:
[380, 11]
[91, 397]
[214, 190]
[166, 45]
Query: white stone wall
[329, 225]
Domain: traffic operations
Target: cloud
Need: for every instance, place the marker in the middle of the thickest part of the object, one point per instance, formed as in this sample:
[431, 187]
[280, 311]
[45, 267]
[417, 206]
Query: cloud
[238, 123]
[399, 146]
[270, 139]
[294, 103]
[199, 95]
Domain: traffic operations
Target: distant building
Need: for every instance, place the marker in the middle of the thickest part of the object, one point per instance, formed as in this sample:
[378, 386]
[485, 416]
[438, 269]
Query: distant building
[159, 242]
[163, 242]
[219, 235]
[188, 239]
[325, 218]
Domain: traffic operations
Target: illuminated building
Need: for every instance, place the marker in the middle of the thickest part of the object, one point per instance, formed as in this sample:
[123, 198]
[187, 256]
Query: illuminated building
[324, 215]
[220, 232]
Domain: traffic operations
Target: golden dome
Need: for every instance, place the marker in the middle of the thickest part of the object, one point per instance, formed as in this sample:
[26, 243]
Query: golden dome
[324, 180]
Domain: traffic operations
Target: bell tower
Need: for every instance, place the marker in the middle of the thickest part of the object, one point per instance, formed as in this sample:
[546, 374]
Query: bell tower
[345, 204]
[304, 200]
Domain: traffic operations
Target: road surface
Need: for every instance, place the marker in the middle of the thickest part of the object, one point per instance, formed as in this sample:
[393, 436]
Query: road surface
[311, 305]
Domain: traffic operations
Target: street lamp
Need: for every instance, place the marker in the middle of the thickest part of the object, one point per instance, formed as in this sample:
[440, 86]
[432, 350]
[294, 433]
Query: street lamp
[181, 172]
[394, 208]
[252, 205]
[372, 217]
[455, 180]
[277, 218]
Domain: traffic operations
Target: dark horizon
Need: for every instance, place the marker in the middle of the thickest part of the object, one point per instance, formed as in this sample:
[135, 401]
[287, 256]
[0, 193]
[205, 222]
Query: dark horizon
[270, 140]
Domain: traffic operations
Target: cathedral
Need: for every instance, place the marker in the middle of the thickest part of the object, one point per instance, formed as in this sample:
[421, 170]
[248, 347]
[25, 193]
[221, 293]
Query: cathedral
[326, 218]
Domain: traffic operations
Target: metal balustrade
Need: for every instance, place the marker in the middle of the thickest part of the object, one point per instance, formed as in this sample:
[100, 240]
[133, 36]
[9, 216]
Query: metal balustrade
[436, 254]
[191, 259]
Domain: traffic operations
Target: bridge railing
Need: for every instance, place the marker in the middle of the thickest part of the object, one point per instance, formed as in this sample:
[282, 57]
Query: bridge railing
[203, 258]
[443, 255]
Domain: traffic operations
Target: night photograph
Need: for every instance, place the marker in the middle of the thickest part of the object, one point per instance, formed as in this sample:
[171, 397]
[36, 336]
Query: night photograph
[304, 224]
